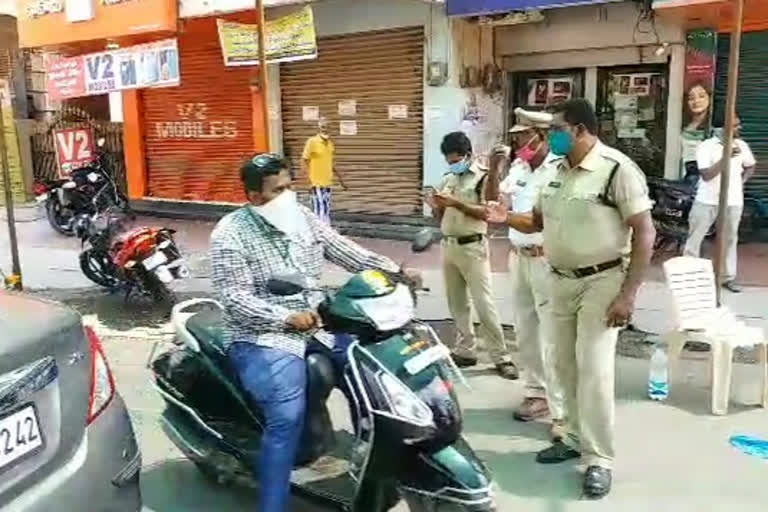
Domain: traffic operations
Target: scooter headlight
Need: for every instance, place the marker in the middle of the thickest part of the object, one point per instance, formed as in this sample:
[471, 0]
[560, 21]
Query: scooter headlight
[404, 402]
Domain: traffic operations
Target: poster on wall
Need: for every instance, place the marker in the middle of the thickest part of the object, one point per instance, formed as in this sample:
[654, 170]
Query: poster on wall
[12, 147]
[548, 91]
[348, 108]
[289, 38]
[310, 113]
[148, 65]
[398, 112]
[75, 148]
[699, 79]
[37, 8]
[348, 127]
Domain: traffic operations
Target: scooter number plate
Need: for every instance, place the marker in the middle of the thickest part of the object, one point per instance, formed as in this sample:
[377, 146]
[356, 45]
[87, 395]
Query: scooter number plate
[155, 260]
[41, 198]
[430, 356]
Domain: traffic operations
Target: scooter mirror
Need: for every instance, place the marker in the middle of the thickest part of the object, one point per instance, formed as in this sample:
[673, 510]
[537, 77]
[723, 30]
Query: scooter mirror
[423, 240]
[285, 285]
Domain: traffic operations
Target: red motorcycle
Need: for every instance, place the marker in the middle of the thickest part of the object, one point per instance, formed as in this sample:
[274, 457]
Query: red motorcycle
[142, 259]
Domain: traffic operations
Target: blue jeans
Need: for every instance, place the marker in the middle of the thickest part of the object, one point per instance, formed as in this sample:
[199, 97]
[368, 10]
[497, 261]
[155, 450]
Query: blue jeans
[276, 381]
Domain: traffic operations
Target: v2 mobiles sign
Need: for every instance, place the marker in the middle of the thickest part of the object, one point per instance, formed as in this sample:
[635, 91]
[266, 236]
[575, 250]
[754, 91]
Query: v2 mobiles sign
[147, 65]
[483, 7]
[74, 149]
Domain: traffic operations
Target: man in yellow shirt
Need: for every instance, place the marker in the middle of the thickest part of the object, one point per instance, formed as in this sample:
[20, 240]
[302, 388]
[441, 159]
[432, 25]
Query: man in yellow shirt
[318, 166]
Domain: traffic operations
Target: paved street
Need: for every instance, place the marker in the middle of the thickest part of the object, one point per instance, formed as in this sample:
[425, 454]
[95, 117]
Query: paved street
[672, 456]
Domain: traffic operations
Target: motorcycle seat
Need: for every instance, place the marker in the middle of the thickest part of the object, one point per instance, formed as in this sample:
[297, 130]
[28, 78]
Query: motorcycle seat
[207, 327]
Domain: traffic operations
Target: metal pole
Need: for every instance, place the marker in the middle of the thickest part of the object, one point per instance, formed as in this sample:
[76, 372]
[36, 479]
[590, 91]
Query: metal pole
[730, 114]
[15, 279]
[263, 72]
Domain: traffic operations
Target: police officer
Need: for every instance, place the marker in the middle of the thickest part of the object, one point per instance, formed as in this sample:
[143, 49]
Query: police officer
[460, 204]
[598, 238]
[534, 166]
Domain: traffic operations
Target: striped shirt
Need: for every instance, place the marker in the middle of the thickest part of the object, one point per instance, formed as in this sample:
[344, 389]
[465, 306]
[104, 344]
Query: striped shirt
[246, 251]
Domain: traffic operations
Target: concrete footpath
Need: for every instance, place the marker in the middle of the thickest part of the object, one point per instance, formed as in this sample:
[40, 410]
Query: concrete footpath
[671, 456]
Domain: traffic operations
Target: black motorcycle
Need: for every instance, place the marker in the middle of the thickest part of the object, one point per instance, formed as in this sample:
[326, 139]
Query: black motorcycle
[88, 190]
[672, 202]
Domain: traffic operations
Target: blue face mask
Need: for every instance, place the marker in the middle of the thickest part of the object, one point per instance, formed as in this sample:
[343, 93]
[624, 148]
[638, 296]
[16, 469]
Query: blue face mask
[459, 167]
[560, 142]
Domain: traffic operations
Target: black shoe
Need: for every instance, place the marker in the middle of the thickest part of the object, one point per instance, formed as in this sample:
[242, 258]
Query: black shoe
[557, 453]
[507, 370]
[464, 361]
[732, 287]
[597, 482]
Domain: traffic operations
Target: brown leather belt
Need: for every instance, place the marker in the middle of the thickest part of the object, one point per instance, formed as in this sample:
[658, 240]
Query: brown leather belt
[532, 251]
[580, 273]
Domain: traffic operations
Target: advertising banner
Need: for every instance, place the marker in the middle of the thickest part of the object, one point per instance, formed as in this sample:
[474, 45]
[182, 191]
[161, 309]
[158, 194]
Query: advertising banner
[700, 61]
[480, 7]
[11, 147]
[289, 38]
[74, 149]
[147, 65]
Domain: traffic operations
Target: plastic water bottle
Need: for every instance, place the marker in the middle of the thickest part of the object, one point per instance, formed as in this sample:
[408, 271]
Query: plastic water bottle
[658, 384]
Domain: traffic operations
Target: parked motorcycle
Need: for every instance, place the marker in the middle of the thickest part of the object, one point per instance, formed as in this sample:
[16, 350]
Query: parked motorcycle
[672, 202]
[88, 190]
[142, 259]
[399, 378]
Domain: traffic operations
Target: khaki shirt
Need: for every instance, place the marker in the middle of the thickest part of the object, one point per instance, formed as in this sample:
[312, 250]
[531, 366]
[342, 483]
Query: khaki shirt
[465, 188]
[579, 229]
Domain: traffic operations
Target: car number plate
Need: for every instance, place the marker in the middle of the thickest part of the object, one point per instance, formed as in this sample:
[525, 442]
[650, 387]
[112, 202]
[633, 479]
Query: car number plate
[155, 260]
[19, 435]
[416, 364]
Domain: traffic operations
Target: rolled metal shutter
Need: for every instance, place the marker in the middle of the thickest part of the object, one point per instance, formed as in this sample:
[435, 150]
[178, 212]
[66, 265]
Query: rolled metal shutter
[183, 160]
[752, 99]
[382, 164]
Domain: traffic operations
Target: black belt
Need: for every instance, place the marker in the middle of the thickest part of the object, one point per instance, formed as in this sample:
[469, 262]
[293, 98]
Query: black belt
[468, 239]
[580, 273]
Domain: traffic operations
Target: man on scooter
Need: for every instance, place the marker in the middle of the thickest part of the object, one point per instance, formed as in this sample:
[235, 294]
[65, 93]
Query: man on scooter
[267, 335]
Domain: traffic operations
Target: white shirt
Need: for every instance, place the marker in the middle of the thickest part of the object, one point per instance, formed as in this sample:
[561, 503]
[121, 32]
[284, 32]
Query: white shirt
[708, 154]
[521, 189]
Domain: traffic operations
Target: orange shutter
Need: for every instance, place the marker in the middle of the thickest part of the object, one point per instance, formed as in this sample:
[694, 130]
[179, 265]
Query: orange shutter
[198, 134]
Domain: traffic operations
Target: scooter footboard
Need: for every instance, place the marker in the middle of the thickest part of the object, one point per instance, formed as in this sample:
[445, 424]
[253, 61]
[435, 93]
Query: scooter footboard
[452, 479]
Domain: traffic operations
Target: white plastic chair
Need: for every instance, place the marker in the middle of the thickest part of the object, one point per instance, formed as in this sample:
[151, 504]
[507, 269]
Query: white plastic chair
[692, 283]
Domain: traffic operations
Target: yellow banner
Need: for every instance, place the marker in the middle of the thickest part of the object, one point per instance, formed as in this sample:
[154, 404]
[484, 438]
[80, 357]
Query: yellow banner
[11, 147]
[289, 38]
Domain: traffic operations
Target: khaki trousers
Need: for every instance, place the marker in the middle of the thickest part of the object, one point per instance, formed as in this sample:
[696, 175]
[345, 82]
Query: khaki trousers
[701, 219]
[532, 302]
[467, 272]
[585, 361]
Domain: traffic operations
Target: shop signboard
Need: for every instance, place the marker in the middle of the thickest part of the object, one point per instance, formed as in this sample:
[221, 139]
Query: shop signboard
[288, 38]
[193, 8]
[74, 149]
[147, 65]
[482, 7]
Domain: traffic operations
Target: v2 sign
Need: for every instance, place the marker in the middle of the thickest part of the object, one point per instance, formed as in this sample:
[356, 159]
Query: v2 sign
[74, 149]
[100, 73]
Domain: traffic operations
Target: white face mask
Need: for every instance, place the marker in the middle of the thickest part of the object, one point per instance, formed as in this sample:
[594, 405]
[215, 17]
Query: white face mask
[284, 213]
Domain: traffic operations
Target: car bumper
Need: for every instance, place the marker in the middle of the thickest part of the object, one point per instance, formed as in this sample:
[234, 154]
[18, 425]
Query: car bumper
[101, 476]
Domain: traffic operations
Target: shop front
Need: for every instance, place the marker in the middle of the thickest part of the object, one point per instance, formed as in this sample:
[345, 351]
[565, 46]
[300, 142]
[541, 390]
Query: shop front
[629, 69]
[714, 20]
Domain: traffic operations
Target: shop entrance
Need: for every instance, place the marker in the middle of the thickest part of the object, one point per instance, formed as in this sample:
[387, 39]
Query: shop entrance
[632, 113]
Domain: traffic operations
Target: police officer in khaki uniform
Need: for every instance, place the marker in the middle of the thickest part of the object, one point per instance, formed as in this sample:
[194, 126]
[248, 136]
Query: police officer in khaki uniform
[460, 204]
[533, 167]
[598, 239]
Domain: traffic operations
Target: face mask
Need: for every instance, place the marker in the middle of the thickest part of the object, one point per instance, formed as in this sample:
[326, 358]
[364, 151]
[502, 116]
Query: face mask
[459, 167]
[284, 213]
[527, 153]
[560, 142]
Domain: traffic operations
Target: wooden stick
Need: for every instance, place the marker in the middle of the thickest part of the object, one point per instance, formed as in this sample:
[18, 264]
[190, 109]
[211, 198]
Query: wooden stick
[730, 114]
